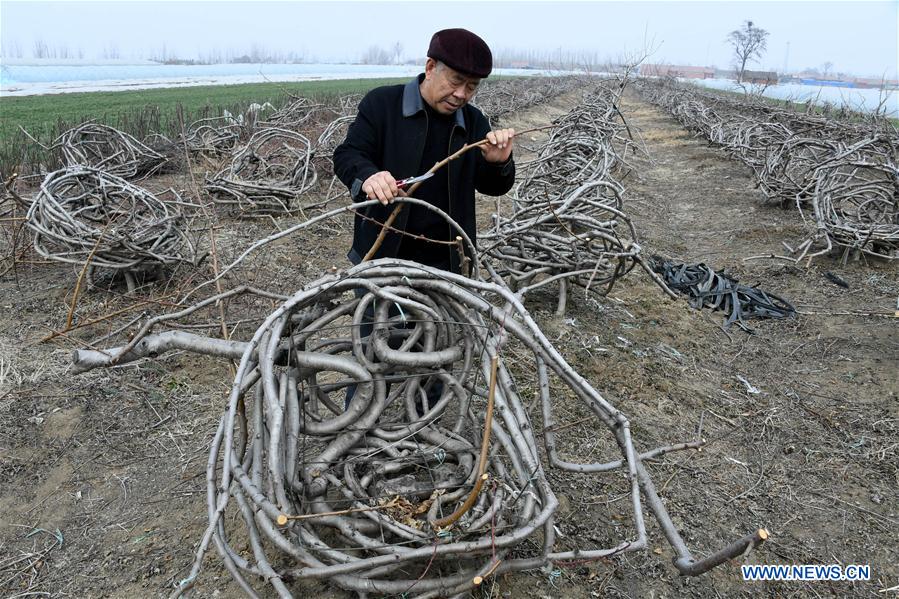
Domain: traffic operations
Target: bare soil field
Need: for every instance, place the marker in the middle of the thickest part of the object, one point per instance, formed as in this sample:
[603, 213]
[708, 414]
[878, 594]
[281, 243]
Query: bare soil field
[102, 475]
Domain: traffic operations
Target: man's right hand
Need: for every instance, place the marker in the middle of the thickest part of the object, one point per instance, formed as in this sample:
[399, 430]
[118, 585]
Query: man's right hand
[382, 187]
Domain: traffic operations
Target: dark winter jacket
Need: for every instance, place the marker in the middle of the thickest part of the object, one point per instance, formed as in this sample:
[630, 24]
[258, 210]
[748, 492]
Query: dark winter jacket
[389, 134]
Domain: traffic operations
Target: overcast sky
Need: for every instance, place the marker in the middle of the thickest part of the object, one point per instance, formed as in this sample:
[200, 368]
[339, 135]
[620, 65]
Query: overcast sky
[856, 37]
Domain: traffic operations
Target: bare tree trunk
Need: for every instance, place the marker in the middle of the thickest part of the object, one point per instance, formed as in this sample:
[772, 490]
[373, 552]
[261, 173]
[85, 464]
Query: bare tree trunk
[742, 70]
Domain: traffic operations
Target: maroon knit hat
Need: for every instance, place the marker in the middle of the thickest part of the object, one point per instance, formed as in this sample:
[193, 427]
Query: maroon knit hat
[463, 51]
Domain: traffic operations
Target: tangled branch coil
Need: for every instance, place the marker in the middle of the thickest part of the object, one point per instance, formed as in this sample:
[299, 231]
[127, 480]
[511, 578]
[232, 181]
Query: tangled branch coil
[332, 136]
[856, 206]
[266, 174]
[356, 494]
[83, 214]
[839, 173]
[569, 224]
[104, 147]
[783, 148]
[213, 135]
[502, 97]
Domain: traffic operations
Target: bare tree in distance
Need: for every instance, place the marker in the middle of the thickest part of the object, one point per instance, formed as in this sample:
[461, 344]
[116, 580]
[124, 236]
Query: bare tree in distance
[111, 52]
[749, 43]
[375, 55]
[630, 60]
[40, 49]
[397, 52]
[827, 66]
[9, 49]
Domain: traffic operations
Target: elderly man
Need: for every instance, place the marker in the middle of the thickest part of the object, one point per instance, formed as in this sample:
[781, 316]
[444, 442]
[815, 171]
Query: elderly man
[402, 131]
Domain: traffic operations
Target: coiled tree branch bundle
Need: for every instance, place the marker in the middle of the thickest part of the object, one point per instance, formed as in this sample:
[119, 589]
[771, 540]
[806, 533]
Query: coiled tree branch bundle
[497, 99]
[104, 147]
[213, 135]
[569, 224]
[266, 174]
[83, 212]
[353, 492]
[582, 237]
[783, 148]
[840, 174]
[855, 206]
[327, 142]
[298, 115]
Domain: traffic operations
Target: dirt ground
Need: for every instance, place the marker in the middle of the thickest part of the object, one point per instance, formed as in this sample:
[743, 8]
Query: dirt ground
[102, 490]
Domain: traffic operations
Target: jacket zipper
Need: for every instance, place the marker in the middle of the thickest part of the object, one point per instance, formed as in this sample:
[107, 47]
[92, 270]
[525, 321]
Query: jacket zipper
[427, 126]
[449, 200]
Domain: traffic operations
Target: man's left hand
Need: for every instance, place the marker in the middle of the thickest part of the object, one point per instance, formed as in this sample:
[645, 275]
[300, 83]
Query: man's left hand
[499, 145]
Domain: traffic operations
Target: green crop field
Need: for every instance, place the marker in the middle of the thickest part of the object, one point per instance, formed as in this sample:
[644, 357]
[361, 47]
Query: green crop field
[141, 112]
[40, 114]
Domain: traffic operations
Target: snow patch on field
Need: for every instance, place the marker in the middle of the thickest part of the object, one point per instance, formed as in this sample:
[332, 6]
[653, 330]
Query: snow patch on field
[56, 77]
[863, 100]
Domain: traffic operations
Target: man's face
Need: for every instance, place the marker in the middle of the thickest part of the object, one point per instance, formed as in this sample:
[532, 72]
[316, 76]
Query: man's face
[447, 90]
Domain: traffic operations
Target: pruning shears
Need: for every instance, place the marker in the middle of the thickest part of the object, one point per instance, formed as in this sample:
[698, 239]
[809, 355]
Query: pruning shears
[404, 183]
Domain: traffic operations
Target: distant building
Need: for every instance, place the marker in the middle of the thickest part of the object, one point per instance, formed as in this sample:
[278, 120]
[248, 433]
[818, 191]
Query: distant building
[670, 70]
[760, 77]
[876, 83]
[725, 74]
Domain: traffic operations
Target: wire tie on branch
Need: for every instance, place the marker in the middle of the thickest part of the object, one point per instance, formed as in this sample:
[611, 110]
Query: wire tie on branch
[555, 575]
[402, 314]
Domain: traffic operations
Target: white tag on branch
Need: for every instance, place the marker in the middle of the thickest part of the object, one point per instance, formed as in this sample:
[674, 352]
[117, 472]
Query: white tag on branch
[749, 387]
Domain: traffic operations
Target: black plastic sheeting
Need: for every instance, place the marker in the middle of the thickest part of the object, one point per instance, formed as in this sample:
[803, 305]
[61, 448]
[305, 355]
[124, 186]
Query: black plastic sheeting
[718, 291]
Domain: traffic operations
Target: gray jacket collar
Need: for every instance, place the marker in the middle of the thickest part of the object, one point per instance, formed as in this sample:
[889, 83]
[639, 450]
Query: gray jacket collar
[413, 102]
